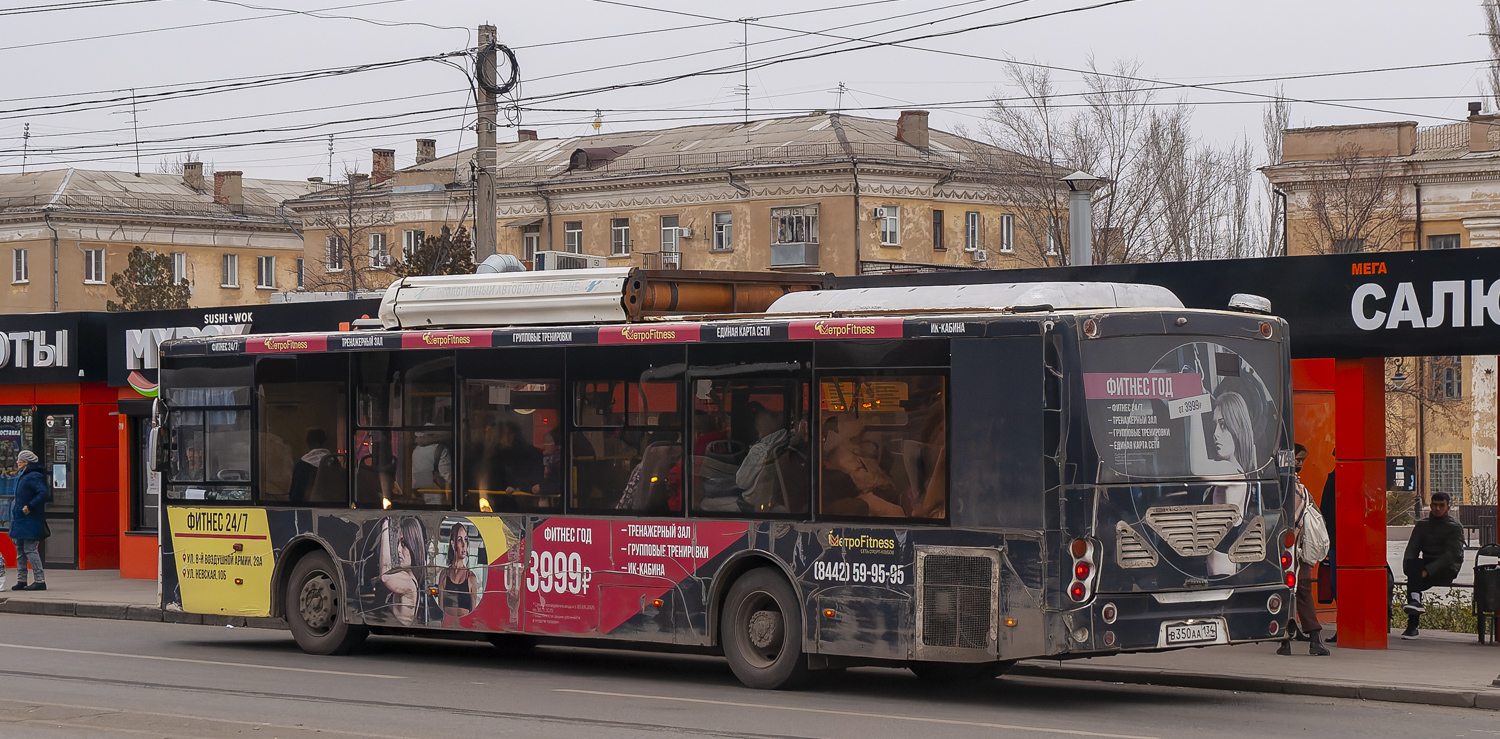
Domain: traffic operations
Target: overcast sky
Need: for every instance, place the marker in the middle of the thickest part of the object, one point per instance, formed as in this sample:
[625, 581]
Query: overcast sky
[92, 54]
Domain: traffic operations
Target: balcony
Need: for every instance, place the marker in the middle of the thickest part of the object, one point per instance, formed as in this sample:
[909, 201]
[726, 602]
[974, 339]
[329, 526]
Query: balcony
[661, 259]
[803, 255]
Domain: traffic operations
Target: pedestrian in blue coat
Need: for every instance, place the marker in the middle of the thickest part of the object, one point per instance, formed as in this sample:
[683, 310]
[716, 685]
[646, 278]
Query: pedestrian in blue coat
[28, 524]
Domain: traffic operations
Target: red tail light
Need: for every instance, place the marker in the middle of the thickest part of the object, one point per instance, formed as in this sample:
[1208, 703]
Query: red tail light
[1082, 570]
[1078, 592]
[1286, 560]
[1289, 539]
[1079, 548]
[1291, 580]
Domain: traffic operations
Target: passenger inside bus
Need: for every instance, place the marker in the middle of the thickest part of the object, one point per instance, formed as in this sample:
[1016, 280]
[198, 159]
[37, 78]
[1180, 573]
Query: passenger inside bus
[318, 476]
[749, 450]
[884, 447]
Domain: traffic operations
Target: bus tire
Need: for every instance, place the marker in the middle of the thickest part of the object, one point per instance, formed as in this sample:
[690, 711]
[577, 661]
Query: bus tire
[951, 672]
[314, 608]
[761, 628]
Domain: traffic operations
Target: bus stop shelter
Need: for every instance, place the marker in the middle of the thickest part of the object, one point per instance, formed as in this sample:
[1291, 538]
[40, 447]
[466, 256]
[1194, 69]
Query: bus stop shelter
[1347, 313]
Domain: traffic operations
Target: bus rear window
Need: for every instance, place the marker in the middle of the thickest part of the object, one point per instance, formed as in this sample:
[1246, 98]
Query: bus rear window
[1160, 407]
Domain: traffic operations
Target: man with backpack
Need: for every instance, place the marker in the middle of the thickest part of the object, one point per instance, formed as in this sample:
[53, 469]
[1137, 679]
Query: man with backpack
[1312, 536]
[28, 522]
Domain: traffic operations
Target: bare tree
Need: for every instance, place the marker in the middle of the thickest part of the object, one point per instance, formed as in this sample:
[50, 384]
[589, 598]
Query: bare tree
[1274, 123]
[1165, 195]
[173, 165]
[1354, 204]
[1492, 33]
[1481, 489]
[350, 213]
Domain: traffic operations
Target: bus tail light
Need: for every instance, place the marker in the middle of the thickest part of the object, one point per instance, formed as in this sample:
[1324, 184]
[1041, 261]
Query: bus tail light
[1273, 603]
[1109, 613]
[1078, 592]
[1082, 570]
[1291, 580]
[1289, 539]
[1286, 560]
[1082, 587]
[1274, 628]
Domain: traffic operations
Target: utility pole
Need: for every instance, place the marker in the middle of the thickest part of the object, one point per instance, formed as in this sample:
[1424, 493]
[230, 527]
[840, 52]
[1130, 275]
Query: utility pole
[25, 145]
[485, 155]
[330, 159]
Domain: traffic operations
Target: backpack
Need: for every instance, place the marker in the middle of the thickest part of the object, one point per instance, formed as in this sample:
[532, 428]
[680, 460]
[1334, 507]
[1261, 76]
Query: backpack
[1312, 546]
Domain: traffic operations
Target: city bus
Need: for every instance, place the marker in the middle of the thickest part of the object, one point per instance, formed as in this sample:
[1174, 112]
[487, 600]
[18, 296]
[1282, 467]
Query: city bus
[945, 479]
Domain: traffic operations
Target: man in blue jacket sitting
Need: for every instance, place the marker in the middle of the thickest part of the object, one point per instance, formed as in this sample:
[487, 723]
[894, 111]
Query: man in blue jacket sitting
[28, 521]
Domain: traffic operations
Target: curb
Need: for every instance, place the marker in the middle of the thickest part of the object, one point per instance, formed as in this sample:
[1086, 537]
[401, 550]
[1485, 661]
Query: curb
[137, 612]
[1482, 699]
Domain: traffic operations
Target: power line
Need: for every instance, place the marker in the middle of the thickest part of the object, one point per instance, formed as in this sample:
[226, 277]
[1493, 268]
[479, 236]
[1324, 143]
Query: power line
[30, 9]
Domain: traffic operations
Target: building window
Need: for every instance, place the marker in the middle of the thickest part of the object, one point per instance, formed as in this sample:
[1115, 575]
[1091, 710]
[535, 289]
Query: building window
[1447, 378]
[380, 258]
[619, 236]
[1445, 241]
[20, 270]
[265, 272]
[1446, 475]
[335, 261]
[798, 225]
[971, 231]
[890, 224]
[573, 237]
[937, 231]
[93, 266]
[670, 234]
[531, 241]
[231, 271]
[723, 232]
[411, 240]
[179, 267]
[1007, 233]
[301, 276]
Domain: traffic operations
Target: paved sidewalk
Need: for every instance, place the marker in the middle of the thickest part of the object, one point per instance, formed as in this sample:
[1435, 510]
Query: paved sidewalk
[1441, 668]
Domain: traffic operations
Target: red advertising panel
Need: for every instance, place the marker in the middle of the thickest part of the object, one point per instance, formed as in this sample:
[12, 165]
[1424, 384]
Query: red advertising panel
[587, 576]
[286, 344]
[654, 334]
[446, 339]
[846, 328]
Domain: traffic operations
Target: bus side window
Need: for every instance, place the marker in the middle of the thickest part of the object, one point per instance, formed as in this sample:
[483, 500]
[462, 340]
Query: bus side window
[626, 443]
[403, 441]
[883, 446]
[512, 453]
[304, 429]
[750, 451]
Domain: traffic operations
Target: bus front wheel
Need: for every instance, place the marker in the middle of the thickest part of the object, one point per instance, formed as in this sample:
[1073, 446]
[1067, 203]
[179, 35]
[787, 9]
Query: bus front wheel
[314, 608]
[762, 631]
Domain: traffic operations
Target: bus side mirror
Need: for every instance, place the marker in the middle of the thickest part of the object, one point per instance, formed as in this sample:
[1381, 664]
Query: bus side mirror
[155, 440]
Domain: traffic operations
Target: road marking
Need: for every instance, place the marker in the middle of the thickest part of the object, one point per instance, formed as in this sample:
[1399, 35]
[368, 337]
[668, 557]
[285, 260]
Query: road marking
[201, 661]
[884, 716]
[190, 717]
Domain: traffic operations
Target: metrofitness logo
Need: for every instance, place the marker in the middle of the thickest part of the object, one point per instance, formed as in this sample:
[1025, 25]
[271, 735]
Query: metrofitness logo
[850, 328]
[282, 344]
[649, 334]
[445, 339]
[863, 543]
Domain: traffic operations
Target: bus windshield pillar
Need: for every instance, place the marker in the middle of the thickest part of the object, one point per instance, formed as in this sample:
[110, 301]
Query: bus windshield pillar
[1359, 443]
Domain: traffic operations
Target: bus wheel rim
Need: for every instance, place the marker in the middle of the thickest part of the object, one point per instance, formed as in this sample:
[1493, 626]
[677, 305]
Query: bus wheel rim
[316, 602]
[765, 629]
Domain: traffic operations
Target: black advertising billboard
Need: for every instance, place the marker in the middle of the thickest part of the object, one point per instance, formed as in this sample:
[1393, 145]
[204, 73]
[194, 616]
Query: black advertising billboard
[133, 338]
[1346, 305]
[49, 348]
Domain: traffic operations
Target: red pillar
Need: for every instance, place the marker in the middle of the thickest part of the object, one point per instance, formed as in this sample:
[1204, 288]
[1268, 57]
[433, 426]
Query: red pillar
[1359, 442]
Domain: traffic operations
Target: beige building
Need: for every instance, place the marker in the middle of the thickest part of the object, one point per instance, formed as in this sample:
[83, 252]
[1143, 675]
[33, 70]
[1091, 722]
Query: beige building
[824, 192]
[1398, 186]
[227, 234]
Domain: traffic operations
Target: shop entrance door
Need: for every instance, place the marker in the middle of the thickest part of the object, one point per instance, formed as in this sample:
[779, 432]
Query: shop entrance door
[58, 450]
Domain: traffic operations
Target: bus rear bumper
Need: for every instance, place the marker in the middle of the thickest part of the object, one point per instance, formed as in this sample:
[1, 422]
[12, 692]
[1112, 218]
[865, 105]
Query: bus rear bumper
[1174, 620]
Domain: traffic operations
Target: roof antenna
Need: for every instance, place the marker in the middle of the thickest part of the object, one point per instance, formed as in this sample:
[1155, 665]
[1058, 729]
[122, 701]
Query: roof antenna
[745, 88]
[330, 157]
[25, 145]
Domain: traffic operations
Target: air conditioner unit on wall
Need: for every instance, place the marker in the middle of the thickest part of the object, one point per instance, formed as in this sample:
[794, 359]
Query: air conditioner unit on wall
[980, 255]
[551, 260]
[684, 233]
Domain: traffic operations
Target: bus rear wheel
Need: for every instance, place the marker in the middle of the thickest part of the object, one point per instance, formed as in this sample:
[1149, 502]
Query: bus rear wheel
[314, 608]
[761, 629]
[950, 672]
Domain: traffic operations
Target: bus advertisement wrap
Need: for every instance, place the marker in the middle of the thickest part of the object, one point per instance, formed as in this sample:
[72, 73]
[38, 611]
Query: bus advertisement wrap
[224, 560]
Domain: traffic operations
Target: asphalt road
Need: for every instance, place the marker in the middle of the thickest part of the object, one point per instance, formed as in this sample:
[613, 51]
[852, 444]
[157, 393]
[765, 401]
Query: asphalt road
[65, 677]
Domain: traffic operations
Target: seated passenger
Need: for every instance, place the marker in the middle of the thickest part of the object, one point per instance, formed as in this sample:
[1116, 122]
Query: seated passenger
[846, 452]
[757, 477]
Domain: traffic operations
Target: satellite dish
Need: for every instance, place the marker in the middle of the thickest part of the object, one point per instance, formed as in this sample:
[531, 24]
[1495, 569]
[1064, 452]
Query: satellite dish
[500, 263]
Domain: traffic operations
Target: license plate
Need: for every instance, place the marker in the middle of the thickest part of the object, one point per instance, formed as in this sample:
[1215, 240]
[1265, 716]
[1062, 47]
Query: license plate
[1206, 631]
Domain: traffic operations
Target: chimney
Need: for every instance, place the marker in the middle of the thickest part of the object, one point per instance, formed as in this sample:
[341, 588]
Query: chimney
[192, 175]
[525, 134]
[315, 180]
[382, 166]
[1479, 128]
[426, 150]
[229, 190]
[358, 179]
[912, 128]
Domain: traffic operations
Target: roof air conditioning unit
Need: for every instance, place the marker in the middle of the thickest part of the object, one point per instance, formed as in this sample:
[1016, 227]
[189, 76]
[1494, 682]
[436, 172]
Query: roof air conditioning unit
[552, 260]
[980, 255]
[684, 233]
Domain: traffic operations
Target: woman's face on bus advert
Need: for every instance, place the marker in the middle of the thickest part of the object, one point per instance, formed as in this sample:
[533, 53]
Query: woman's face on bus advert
[460, 545]
[1223, 440]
